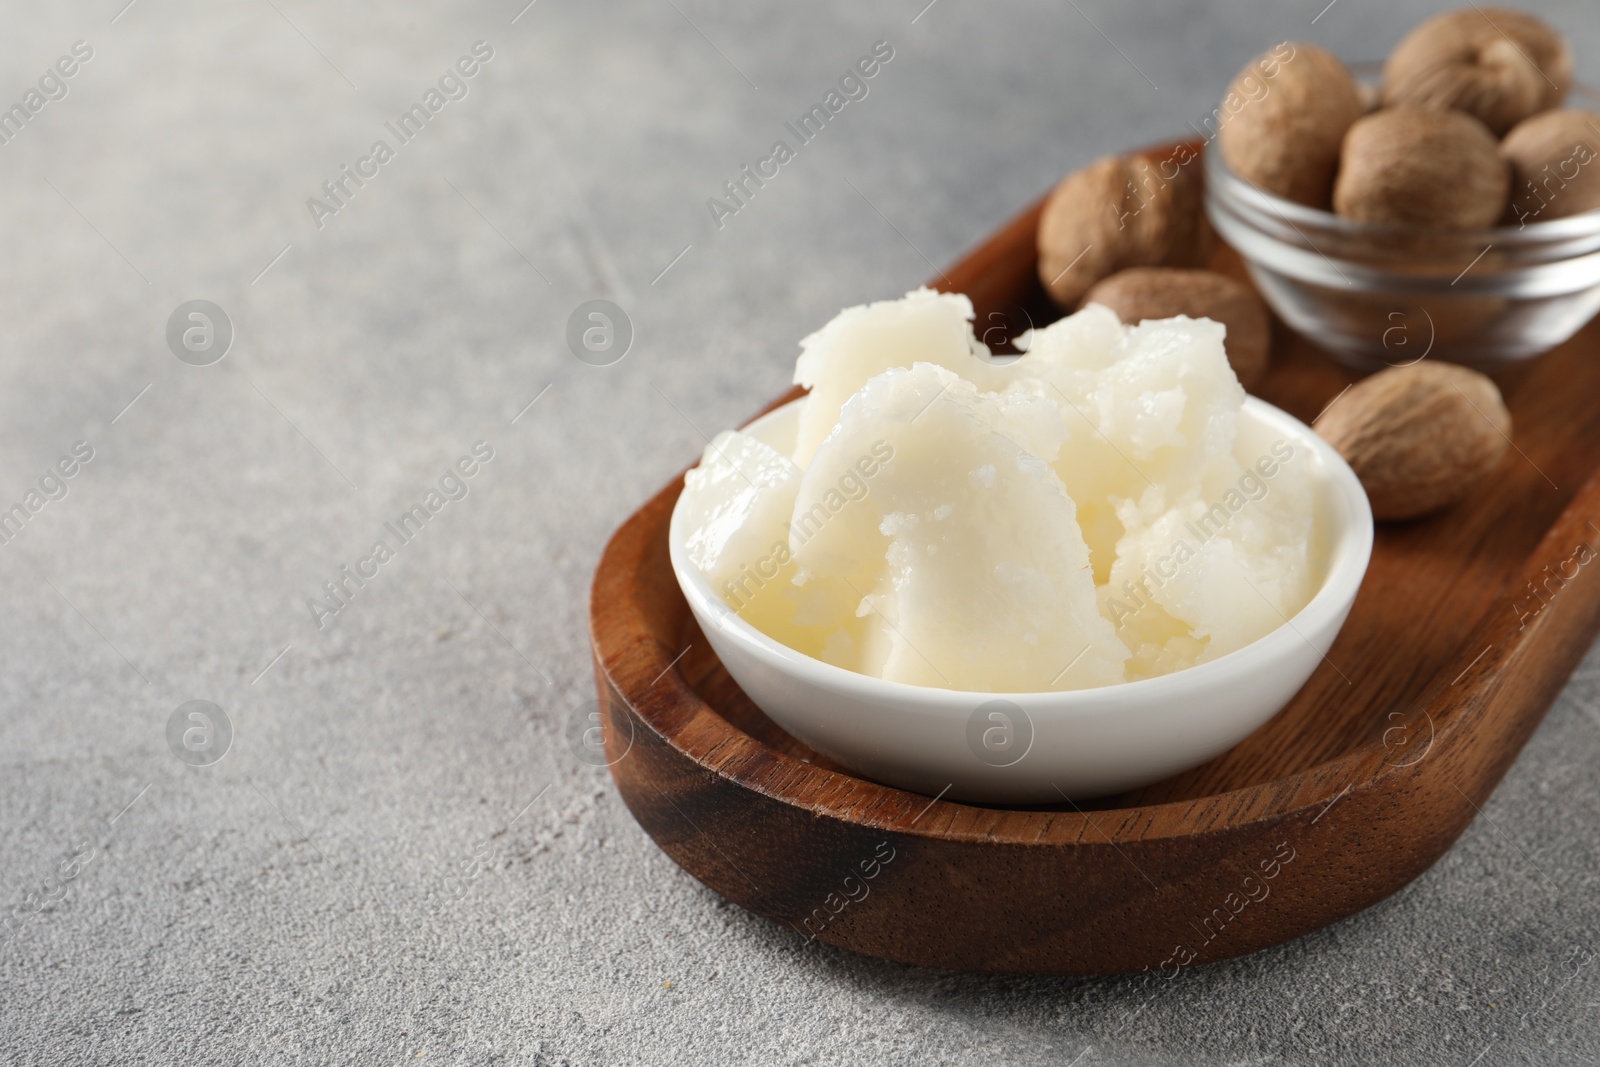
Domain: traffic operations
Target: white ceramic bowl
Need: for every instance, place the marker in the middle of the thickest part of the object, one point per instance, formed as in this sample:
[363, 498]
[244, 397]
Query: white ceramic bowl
[1024, 748]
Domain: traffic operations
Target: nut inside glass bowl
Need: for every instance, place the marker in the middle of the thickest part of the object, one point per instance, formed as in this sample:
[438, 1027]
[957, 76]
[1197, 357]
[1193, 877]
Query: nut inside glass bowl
[1377, 295]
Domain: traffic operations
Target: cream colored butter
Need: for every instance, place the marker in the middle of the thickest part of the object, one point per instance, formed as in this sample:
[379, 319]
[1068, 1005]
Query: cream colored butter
[1079, 516]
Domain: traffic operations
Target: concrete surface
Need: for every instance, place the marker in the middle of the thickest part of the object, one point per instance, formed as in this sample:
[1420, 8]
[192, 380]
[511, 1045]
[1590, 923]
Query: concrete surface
[399, 859]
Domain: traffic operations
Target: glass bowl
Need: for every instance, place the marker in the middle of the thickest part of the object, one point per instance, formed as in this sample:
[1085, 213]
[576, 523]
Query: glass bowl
[1377, 295]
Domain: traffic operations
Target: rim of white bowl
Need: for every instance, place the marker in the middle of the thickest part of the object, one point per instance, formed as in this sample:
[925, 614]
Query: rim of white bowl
[1348, 556]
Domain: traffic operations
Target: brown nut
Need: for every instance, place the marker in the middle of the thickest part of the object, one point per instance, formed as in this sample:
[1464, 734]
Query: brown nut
[1419, 437]
[1554, 169]
[1283, 118]
[1122, 211]
[1407, 166]
[1166, 292]
[1493, 63]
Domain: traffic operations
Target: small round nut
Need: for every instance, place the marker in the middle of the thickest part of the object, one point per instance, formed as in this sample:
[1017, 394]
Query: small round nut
[1141, 293]
[1420, 436]
[1555, 165]
[1122, 211]
[1408, 166]
[1497, 65]
[1283, 118]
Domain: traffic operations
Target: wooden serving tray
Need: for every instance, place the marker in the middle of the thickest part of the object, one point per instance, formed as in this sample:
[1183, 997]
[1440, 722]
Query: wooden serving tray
[1464, 631]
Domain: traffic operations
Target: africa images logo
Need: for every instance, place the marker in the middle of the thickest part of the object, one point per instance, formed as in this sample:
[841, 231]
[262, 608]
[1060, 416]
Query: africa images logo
[199, 733]
[453, 85]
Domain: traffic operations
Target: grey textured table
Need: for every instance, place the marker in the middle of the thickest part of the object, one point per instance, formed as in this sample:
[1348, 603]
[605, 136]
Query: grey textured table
[399, 859]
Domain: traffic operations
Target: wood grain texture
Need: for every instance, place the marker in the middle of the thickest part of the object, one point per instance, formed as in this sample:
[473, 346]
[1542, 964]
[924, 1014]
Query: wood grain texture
[1465, 630]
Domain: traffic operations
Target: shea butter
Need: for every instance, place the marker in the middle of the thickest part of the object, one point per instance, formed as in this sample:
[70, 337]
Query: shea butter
[1079, 516]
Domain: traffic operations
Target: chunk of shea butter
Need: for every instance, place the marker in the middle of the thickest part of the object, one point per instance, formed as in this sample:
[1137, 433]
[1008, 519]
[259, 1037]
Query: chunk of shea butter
[739, 499]
[963, 551]
[1213, 549]
[1170, 401]
[739, 502]
[863, 342]
[1148, 411]
[1226, 564]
